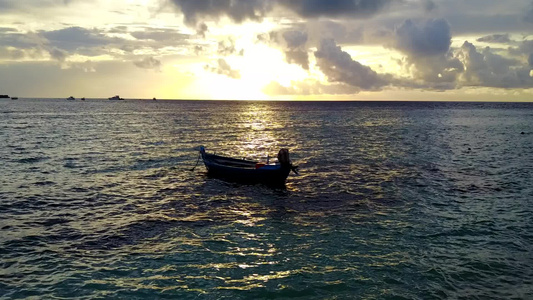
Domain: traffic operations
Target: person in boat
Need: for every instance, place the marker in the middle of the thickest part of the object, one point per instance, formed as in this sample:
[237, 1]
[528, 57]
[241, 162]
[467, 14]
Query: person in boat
[285, 161]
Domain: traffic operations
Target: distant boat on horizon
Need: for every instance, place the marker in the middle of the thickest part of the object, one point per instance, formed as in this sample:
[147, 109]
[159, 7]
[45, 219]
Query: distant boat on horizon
[71, 98]
[115, 98]
[14, 98]
[83, 98]
[4, 96]
[154, 99]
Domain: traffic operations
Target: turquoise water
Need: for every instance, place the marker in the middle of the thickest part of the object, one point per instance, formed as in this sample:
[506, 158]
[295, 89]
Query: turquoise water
[393, 201]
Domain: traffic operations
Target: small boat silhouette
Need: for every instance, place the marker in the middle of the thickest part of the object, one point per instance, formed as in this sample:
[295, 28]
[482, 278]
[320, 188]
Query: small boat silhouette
[245, 171]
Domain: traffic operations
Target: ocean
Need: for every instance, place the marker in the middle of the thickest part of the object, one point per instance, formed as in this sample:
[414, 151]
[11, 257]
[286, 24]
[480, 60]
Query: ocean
[395, 200]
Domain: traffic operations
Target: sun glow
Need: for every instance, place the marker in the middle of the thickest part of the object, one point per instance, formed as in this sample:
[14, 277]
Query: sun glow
[259, 66]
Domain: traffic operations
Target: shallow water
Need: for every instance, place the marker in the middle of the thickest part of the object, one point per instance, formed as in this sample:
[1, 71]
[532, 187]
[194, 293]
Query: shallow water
[393, 201]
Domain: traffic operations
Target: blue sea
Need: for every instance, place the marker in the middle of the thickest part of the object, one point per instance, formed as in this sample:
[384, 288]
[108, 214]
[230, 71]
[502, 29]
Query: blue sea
[395, 200]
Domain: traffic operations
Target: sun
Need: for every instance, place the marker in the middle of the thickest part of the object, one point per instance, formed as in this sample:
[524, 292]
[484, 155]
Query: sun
[259, 67]
[224, 88]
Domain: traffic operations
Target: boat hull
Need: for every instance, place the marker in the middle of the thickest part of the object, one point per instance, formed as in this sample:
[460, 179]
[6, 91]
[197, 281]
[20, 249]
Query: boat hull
[243, 171]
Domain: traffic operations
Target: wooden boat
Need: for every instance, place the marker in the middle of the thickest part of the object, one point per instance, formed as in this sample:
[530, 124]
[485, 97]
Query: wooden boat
[246, 171]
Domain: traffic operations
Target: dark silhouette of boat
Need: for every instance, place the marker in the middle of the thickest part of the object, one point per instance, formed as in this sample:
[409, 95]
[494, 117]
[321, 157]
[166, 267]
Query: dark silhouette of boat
[83, 98]
[154, 99]
[246, 171]
[4, 96]
[115, 98]
[71, 98]
[14, 98]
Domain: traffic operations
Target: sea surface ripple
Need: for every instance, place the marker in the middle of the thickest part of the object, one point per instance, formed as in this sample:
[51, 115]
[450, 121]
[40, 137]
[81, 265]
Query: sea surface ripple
[393, 201]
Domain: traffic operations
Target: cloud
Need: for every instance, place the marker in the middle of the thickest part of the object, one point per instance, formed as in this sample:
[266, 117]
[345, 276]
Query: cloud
[202, 29]
[298, 57]
[237, 10]
[429, 5]
[530, 60]
[226, 47]
[58, 54]
[12, 54]
[429, 61]
[491, 70]
[13, 38]
[432, 72]
[194, 11]
[524, 48]
[168, 36]
[28, 5]
[223, 68]
[74, 38]
[297, 51]
[339, 67]
[148, 63]
[495, 38]
[431, 37]
[335, 8]
[295, 39]
[528, 17]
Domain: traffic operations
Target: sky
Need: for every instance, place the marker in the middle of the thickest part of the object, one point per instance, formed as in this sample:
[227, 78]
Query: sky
[448, 50]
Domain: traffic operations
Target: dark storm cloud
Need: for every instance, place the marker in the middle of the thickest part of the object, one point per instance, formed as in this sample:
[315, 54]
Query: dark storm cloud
[223, 68]
[148, 63]
[241, 10]
[528, 17]
[495, 38]
[73, 38]
[237, 10]
[335, 8]
[466, 22]
[339, 67]
[431, 37]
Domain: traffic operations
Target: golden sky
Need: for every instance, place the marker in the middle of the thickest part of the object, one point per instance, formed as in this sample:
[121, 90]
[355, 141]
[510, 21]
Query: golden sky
[268, 49]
